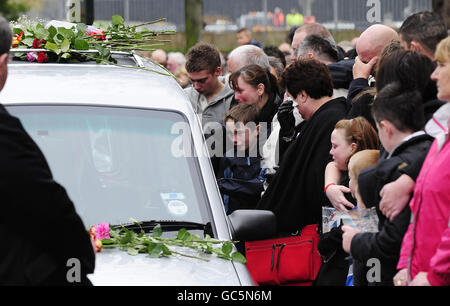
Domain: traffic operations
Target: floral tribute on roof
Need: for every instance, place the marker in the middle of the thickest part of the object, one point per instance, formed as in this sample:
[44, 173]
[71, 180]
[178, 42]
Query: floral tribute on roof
[65, 42]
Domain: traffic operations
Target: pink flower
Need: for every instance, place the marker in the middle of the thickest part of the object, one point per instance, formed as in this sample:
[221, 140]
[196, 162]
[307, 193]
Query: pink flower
[31, 56]
[102, 231]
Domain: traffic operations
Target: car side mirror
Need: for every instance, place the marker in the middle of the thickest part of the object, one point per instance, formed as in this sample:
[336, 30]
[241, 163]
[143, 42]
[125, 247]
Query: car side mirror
[252, 224]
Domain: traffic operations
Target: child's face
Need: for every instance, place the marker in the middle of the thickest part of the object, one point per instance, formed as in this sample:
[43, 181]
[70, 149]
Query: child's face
[243, 136]
[352, 183]
[383, 134]
[242, 39]
[341, 149]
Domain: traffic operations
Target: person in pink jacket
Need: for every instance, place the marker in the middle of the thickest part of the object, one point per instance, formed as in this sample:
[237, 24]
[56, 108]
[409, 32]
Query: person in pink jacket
[425, 252]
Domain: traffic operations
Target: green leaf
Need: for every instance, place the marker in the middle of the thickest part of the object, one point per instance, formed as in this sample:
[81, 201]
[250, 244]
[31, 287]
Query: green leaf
[65, 46]
[52, 47]
[52, 32]
[28, 41]
[154, 250]
[127, 238]
[108, 241]
[238, 257]
[227, 247]
[59, 37]
[67, 33]
[117, 20]
[195, 237]
[101, 51]
[209, 249]
[166, 250]
[132, 251]
[183, 234]
[17, 31]
[224, 256]
[66, 55]
[157, 231]
[41, 33]
[81, 44]
[81, 28]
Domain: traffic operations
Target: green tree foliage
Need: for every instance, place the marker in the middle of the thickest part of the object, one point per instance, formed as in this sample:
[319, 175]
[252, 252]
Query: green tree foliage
[12, 10]
[194, 21]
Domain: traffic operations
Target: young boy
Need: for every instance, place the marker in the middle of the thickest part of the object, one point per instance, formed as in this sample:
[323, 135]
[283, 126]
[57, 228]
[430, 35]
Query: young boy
[358, 162]
[399, 119]
[240, 177]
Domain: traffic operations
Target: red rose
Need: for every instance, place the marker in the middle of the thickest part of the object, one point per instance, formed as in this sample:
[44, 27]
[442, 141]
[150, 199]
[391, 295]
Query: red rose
[99, 34]
[37, 43]
[42, 58]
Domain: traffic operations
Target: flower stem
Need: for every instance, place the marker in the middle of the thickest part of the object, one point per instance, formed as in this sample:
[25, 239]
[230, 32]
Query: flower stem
[191, 256]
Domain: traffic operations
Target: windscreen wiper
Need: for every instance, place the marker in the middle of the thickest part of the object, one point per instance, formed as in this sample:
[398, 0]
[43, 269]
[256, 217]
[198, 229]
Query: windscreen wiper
[167, 225]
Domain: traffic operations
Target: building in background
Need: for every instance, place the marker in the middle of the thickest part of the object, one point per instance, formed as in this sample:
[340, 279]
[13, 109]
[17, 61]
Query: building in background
[234, 14]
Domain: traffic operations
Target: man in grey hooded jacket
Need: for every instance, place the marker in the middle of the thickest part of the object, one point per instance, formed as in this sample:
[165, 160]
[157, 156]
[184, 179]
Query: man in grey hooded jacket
[210, 98]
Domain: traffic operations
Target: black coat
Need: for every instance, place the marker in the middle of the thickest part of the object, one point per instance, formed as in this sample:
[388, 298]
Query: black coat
[342, 73]
[335, 266]
[295, 194]
[240, 182]
[39, 227]
[362, 107]
[385, 245]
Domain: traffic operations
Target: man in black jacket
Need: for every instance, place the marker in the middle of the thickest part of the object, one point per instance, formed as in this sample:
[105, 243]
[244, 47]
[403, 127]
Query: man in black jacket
[295, 193]
[399, 118]
[44, 241]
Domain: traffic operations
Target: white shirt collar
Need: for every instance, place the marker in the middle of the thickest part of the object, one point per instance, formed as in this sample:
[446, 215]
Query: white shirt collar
[437, 126]
[410, 136]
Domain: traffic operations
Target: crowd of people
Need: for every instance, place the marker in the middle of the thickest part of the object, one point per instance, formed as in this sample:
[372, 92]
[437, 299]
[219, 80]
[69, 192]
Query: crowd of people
[310, 127]
[317, 125]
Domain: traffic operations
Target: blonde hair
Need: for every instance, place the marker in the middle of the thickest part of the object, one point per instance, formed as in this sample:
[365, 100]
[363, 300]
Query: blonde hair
[359, 161]
[443, 51]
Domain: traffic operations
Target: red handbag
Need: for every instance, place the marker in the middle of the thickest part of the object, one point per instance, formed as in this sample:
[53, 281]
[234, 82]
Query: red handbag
[285, 261]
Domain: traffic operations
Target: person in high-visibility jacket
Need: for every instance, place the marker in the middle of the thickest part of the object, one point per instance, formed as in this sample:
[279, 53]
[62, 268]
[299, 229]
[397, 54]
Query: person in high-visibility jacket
[294, 18]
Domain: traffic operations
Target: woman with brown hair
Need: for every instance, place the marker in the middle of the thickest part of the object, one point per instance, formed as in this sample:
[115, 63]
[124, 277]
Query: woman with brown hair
[255, 85]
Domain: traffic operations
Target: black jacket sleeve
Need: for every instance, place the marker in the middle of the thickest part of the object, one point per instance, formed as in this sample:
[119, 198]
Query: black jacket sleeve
[284, 145]
[356, 86]
[362, 107]
[238, 187]
[34, 205]
[384, 245]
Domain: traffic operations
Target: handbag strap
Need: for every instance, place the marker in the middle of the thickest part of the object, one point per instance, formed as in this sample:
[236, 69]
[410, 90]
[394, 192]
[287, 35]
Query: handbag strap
[274, 246]
[279, 254]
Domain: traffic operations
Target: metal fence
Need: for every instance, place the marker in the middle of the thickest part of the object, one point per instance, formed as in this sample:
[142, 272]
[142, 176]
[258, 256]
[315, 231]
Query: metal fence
[346, 11]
